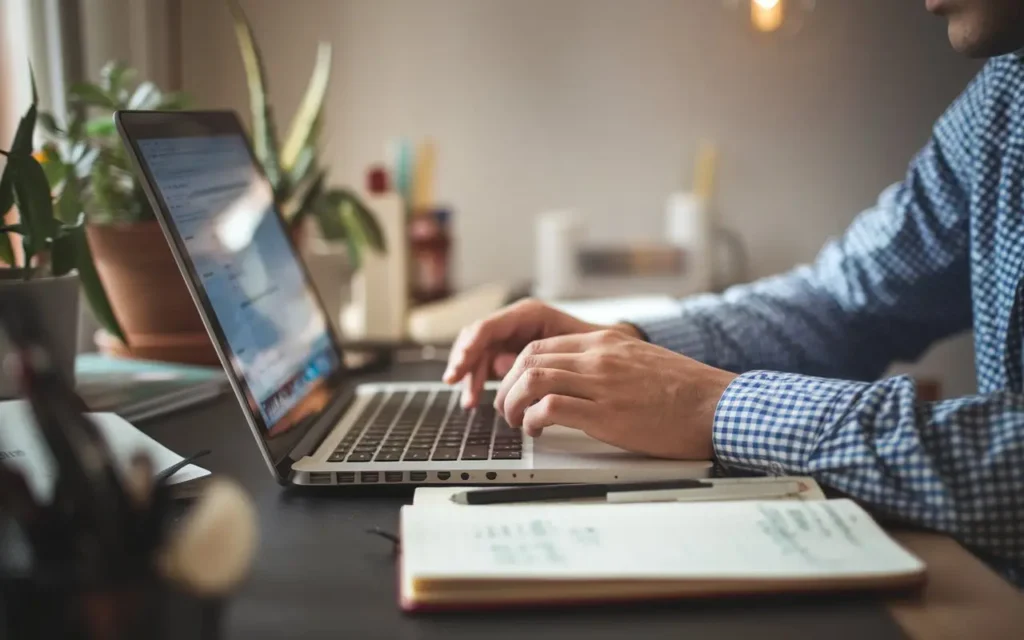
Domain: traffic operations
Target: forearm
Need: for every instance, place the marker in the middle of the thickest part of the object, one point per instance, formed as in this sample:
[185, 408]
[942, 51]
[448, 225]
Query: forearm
[955, 466]
[784, 323]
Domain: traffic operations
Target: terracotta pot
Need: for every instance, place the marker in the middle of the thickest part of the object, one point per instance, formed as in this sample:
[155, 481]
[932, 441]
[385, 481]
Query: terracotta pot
[148, 295]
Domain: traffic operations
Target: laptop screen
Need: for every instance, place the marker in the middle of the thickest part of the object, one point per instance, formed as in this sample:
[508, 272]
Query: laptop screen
[271, 324]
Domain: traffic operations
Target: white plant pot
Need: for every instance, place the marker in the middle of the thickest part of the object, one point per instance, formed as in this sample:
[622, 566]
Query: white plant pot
[331, 271]
[56, 304]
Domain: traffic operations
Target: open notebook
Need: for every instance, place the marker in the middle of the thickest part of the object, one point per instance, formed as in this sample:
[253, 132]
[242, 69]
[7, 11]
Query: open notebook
[562, 553]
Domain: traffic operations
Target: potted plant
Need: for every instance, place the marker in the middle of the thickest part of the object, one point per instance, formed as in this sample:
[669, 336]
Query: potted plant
[155, 316]
[343, 227]
[43, 246]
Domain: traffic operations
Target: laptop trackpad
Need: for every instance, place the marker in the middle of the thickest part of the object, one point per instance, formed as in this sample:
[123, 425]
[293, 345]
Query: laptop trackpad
[565, 448]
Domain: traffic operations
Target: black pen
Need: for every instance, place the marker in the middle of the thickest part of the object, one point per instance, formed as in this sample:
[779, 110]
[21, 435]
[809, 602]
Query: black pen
[542, 493]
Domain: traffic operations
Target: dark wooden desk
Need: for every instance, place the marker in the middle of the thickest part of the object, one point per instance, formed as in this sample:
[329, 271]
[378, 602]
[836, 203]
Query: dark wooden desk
[319, 575]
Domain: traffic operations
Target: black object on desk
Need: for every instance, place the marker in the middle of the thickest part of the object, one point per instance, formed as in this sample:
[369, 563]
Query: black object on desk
[542, 493]
[84, 561]
[320, 575]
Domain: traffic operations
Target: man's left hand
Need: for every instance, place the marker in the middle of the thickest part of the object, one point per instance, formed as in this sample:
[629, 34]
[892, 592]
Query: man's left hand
[617, 389]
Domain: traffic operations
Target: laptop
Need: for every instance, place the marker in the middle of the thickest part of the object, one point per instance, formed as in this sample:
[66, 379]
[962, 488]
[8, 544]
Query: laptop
[313, 423]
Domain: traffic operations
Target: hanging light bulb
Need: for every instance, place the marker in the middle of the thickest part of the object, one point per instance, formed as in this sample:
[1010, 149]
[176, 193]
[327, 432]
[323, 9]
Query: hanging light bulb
[772, 16]
[767, 15]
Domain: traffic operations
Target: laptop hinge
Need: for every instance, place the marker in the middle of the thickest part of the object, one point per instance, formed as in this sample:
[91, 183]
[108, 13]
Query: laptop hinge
[327, 420]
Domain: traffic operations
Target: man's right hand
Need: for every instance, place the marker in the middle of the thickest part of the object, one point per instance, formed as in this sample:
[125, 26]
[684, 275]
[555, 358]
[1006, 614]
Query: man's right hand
[490, 346]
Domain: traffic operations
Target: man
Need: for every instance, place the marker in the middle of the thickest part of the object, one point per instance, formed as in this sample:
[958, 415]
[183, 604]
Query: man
[762, 377]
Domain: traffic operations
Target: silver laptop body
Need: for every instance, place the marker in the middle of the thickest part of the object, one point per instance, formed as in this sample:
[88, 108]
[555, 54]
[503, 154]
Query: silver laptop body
[312, 423]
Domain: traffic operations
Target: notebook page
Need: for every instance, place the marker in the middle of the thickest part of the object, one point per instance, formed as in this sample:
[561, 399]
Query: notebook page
[769, 540]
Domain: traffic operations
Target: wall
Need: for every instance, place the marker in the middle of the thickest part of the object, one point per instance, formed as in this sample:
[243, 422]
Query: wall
[599, 105]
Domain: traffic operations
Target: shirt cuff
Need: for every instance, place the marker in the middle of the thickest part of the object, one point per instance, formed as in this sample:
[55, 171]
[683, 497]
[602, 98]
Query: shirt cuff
[772, 422]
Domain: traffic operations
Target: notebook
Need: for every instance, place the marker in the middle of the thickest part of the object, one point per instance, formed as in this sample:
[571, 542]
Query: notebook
[581, 553]
[138, 390]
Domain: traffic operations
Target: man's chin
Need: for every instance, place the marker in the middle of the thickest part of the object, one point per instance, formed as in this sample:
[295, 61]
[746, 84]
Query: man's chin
[965, 41]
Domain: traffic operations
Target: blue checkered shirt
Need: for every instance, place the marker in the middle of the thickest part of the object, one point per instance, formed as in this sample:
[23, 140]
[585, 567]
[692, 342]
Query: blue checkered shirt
[941, 252]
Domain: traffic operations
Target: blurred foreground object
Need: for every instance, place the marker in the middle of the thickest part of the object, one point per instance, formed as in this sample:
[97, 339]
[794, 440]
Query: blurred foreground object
[102, 558]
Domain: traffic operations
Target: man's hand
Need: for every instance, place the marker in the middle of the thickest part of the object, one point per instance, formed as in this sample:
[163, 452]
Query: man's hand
[490, 346]
[616, 389]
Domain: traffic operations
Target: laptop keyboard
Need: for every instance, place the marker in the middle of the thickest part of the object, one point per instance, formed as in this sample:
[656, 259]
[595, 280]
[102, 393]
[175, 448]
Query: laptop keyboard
[419, 426]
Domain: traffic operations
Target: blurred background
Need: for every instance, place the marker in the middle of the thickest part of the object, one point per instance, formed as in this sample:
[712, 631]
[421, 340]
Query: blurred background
[595, 106]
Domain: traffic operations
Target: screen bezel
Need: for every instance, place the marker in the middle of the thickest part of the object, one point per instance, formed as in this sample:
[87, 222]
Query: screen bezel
[320, 399]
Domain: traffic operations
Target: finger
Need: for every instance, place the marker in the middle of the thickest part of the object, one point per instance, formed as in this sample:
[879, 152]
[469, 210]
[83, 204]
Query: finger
[535, 384]
[475, 382]
[526, 361]
[522, 318]
[503, 363]
[568, 344]
[457, 366]
[568, 411]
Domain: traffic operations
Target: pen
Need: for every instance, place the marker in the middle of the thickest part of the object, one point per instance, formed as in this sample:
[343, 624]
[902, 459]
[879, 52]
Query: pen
[543, 493]
[711, 492]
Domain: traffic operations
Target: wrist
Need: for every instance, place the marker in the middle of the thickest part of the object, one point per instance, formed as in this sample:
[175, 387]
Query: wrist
[715, 385]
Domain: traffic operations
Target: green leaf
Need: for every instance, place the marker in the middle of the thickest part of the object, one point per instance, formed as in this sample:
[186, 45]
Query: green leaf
[308, 202]
[6, 190]
[63, 258]
[355, 238]
[76, 127]
[328, 217]
[115, 74]
[6, 250]
[70, 204]
[100, 127]
[6, 202]
[146, 96]
[303, 126]
[90, 95]
[49, 123]
[55, 170]
[83, 165]
[263, 133]
[95, 294]
[271, 165]
[304, 166]
[368, 227]
[355, 256]
[35, 204]
[22, 144]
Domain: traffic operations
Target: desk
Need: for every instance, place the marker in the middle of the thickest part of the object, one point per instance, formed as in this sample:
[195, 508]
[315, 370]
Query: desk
[318, 575]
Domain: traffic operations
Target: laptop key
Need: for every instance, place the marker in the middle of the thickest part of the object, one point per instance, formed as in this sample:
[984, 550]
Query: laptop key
[421, 445]
[388, 456]
[475, 453]
[416, 454]
[445, 453]
[360, 456]
[507, 446]
[507, 455]
[337, 456]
